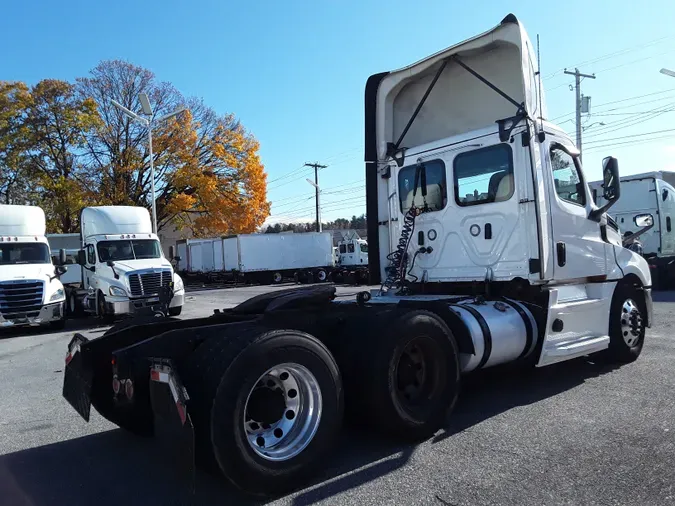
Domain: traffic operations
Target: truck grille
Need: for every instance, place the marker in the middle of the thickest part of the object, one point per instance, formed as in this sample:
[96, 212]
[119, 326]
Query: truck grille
[21, 299]
[148, 283]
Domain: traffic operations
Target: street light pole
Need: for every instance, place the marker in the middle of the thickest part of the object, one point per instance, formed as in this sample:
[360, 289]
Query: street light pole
[148, 124]
[152, 179]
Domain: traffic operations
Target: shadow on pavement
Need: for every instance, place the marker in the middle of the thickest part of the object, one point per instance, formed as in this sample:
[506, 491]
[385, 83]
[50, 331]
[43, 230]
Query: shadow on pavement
[115, 468]
[665, 296]
[89, 324]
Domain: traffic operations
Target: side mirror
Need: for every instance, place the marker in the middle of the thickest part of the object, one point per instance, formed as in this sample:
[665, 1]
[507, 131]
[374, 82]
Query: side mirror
[611, 186]
[81, 257]
[110, 263]
[60, 269]
[643, 220]
[62, 256]
[610, 179]
[177, 258]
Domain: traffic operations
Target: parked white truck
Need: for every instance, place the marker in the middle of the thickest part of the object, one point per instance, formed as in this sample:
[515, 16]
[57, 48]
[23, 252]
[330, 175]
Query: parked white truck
[490, 249]
[121, 265]
[649, 193]
[30, 290]
[352, 261]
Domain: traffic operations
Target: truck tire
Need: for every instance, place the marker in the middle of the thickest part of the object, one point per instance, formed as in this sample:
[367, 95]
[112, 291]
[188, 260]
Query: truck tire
[320, 276]
[74, 305]
[407, 377]
[256, 386]
[627, 318]
[101, 311]
[175, 311]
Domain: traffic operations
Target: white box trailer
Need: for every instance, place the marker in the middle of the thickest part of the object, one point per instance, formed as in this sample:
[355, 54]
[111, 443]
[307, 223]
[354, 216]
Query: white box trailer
[200, 256]
[273, 257]
[648, 193]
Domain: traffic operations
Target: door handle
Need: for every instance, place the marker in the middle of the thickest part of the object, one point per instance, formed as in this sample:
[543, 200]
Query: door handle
[562, 254]
[488, 230]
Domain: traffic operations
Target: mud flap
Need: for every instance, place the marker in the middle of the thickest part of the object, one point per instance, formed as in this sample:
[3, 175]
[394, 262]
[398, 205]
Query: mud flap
[172, 421]
[77, 378]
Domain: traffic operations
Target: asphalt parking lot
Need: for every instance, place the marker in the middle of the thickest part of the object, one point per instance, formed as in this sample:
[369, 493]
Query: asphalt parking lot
[572, 433]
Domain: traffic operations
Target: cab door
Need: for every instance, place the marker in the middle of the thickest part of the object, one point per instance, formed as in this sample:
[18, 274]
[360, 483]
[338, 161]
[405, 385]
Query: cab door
[578, 245]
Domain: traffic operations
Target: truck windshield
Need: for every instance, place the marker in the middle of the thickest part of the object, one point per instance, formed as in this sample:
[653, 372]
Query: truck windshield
[24, 253]
[128, 250]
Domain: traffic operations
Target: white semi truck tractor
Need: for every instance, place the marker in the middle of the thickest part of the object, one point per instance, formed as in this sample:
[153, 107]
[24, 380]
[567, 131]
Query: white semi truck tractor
[121, 265]
[30, 290]
[489, 250]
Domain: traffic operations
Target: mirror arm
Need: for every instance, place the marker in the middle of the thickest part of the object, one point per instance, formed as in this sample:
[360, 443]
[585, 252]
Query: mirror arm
[596, 214]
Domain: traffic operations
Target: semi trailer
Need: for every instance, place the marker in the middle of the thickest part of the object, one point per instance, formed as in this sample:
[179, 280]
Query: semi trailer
[121, 268]
[648, 194]
[260, 258]
[31, 292]
[489, 250]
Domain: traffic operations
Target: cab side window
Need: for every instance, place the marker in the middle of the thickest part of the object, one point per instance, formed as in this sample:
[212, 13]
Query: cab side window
[350, 247]
[343, 248]
[91, 254]
[429, 174]
[567, 177]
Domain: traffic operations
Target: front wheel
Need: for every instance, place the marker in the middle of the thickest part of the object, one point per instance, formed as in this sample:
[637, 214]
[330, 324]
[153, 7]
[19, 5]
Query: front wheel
[627, 324]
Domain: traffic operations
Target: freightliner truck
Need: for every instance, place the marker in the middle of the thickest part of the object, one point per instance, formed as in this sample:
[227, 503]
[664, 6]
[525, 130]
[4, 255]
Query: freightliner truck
[30, 290]
[489, 248]
[121, 267]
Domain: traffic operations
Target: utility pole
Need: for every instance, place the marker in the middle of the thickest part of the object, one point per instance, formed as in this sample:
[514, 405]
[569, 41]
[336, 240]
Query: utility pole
[317, 166]
[577, 85]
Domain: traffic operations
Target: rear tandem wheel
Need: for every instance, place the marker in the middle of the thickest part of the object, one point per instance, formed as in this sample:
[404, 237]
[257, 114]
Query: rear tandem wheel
[266, 406]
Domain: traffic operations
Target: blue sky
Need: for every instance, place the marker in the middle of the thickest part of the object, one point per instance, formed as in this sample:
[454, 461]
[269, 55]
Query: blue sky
[294, 71]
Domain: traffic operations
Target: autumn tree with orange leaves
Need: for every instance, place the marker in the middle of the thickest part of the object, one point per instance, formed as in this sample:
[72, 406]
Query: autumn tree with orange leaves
[208, 174]
[64, 146]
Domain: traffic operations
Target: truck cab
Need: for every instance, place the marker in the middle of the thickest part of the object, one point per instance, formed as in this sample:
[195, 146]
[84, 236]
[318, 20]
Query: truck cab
[122, 265]
[30, 290]
[353, 252]
[468, 183]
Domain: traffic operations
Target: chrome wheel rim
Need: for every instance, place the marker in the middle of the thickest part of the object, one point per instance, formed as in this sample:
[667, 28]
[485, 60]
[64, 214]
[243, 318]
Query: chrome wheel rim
[632, 323]
[277, 277]
[282, 412]
[321, 275]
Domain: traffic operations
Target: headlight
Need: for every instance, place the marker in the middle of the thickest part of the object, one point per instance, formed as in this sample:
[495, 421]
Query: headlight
[117, 291]
[57, 295]
[178, 283]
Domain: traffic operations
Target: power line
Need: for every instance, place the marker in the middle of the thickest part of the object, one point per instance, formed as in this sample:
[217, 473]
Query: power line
[595, 107]
[608, 56]
[632, 136]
